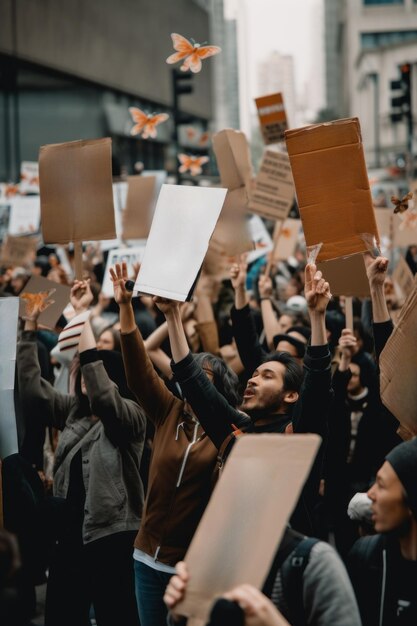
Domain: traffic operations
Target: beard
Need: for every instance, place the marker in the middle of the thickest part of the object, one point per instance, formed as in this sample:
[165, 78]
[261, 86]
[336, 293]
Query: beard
[275, 407]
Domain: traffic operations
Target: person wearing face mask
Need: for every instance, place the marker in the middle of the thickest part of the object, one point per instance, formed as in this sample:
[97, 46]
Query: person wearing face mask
[383, 567]
[96, 476]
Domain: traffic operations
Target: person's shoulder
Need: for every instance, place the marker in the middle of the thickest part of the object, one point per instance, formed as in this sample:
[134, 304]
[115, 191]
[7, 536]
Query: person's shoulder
[366, 549]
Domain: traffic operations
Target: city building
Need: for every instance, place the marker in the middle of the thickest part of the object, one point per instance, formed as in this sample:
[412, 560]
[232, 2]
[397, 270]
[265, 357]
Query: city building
[276, 74]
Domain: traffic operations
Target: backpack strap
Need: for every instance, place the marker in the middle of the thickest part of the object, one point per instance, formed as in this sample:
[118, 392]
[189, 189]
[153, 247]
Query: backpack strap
[227, 446]
[292, 579]
[289, 542]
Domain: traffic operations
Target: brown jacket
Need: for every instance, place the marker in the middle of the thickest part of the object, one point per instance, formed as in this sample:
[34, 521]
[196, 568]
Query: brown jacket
[183, 463]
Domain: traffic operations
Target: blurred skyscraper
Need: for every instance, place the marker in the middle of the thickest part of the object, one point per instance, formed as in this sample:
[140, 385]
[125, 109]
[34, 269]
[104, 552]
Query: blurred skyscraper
[276, 73]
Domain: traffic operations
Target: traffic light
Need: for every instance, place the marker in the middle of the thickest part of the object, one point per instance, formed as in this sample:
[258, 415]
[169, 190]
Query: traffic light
[401, 95]
[182, 84]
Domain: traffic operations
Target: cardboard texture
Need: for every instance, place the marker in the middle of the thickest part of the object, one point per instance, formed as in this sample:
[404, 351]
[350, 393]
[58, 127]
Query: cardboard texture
[273, 193]
[403, 277]
[137, 216]
[183, 223]
[346, 277]
[76, 191]
[25, 215]
[232, 231]
[127, 255]
[287, 240]
[404, 229]
[272, 117]
[398, 363]
[332, 187]
[259, 486]
[18, 251]
[61, 297]
[9, 314]
[232, 153]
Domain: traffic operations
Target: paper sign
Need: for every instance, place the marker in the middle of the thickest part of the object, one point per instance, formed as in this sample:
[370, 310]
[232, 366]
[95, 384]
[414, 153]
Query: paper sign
[332, 187]
[398, 363]
[76, 191]
[183, 223]
[232, 153]
[261, 239]
[287, 234]
[137, 216]
[29, 177]
[244, 521]
[18, 251]
[25, 215]
[9, 314]
[127, 255]
[346, 277]
[273, 193]
[61, 297]
[403, 277]
[272, 117]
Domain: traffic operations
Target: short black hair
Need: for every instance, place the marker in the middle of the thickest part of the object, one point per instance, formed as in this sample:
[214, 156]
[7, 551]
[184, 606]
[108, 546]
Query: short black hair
[224, 379]
[293, 376]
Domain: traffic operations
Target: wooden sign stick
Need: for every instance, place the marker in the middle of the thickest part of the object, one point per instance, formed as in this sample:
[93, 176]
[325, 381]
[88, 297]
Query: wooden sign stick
[78, 259]
[349, 312]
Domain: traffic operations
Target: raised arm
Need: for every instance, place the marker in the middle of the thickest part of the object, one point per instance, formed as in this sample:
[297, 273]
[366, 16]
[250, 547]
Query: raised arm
[141, 376]
[271, 324]
[376, 270]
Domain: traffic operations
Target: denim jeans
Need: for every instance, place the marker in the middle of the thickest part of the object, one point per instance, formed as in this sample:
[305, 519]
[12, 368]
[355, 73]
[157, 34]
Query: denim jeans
[150, 587]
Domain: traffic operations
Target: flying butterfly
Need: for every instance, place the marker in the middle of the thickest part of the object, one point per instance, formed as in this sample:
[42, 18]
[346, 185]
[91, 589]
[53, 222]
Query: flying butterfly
[146, 123]
[401, 205]
[190, 52]
[38, 301]
[192, 163]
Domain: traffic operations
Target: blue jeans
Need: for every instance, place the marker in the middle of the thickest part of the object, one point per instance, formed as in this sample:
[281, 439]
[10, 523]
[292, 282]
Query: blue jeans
[150, 588]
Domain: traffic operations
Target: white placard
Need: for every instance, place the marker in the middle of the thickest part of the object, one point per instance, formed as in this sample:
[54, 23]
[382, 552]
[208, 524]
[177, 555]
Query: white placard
[183, 223]
[9, 313]
[129, 256]
[25, 215]
[261, 239]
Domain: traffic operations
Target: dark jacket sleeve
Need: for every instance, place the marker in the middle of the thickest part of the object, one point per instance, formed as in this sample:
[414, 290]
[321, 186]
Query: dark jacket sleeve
[382, 332]
[123, 419]
[37, 394]
[250, 350]
[339, 432]
[213, 411]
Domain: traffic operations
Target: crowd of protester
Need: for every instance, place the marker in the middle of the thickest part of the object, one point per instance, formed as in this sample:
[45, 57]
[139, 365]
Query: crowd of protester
[127, 410]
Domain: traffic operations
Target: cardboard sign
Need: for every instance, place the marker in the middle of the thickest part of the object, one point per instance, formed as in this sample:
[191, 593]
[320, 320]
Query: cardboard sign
[232, 153]
[332, 187]
[346, 277]
[127, 255]
[9, 315]
[18, 251]
[398, 363]
[183, 223]
[261, 239]
[255, 496]
[25, 215]
[403, 277]
[137, 216]
[29, 177]
[76, 191]
[273, 193]
[286, 237]
[232, 231]
[272, 117]
[61, 297]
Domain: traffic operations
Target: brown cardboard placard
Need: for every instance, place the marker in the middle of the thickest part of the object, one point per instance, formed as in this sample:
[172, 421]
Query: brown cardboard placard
[398, 363]
[137, 215]
[286, 237]
[61, 297]
[273, 192]
[259, 486]
[346, 277]
[403, 277]
[76, 191]
[18, 251]
[232, 153]
[332, 187]
[232, 232]
[272, 117]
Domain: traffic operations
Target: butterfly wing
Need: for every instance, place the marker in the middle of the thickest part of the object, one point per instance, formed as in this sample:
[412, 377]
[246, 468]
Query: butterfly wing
[204, 52]
[204, 138]
[182, 46]
[140, 118]
[185, 161]
[151, 124]
[197, 162]
[192, 62]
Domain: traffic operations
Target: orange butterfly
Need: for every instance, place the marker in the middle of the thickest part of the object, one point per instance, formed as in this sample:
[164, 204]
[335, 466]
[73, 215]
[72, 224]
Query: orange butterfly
[32, 180]
[192, 163]
[191, 52]
[191, 132]
[401, 205]
[204, 139]
[37, 301]
[11, 190]
[146, 123]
